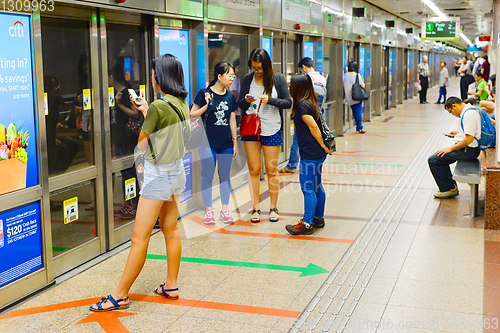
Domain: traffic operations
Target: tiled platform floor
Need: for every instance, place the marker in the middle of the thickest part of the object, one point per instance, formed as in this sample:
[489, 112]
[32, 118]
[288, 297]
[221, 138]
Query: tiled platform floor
[435, 274]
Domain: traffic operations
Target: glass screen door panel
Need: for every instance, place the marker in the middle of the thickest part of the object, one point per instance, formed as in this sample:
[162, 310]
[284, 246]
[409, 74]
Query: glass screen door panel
[124, 55]
[70, 69]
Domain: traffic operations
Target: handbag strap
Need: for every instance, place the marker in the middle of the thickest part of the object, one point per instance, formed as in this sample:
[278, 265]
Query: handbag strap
[260, 103]
[178, 114]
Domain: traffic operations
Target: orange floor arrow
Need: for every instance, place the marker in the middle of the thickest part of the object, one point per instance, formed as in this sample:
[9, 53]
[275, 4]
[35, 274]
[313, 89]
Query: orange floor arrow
[220, 230]
[108, 321]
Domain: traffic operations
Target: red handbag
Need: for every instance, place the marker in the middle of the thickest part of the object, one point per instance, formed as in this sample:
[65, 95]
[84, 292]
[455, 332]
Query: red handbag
[250, 124]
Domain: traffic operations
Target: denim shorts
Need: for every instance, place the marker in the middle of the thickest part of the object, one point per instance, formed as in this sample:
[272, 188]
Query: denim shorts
[163, 180]
[271, 140]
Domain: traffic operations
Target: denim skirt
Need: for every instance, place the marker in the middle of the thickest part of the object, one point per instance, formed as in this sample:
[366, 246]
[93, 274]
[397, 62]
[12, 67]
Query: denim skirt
[163, 180]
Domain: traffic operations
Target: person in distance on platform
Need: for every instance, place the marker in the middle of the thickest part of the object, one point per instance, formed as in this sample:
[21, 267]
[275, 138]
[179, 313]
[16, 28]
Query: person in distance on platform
[265, 92]
[465, 149]
[423, 73]
[313, 150]
[462, 72]
[216, 105]
[443, 82]
[162, 138]
[356, 106]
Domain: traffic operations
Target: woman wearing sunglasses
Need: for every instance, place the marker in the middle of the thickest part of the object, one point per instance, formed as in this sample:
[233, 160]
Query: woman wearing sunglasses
[265, 92]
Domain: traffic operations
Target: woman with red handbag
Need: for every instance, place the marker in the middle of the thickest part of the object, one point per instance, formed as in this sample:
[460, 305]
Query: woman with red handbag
[263, 96]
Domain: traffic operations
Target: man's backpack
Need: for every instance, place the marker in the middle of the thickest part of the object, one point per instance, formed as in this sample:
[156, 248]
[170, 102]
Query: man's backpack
[320, 90]
[488, 133]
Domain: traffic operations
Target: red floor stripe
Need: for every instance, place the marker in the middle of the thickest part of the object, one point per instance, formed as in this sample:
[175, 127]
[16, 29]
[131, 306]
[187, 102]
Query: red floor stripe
[219, 230]
[159, 300]
[358, 174]
[335, 154]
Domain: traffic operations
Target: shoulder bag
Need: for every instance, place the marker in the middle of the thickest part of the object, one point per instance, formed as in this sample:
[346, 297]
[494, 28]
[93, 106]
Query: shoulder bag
[250, 124]
[358, 93]
[326, 133]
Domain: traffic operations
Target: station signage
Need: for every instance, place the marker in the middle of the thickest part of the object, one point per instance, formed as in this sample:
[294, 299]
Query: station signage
[296, 11]
[440, 30]
[18, 137]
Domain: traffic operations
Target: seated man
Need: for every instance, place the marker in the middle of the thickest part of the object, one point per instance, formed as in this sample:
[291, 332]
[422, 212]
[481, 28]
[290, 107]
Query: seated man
[466, 147]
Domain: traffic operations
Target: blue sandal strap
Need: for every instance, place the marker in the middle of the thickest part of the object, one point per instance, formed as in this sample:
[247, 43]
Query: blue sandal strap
[167, 290]
[113, 301]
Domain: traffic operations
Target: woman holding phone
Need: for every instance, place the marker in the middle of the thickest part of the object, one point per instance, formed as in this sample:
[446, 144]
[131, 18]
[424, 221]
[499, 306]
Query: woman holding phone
[313, 150]
[216, 106]
[265, 92]
[163, 140]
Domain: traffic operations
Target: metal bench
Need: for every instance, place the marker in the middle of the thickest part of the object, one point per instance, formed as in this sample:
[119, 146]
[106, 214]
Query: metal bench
[469, 172]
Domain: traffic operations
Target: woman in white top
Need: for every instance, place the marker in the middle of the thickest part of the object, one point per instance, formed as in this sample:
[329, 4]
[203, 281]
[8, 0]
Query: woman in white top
[443, 82]
[356, 106]
[264, 91]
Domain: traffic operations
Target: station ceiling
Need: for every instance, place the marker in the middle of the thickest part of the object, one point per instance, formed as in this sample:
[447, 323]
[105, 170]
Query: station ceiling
[476, 16]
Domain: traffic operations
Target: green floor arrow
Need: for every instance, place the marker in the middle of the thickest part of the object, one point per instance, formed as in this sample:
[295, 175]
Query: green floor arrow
[376, 164]
[311, 269]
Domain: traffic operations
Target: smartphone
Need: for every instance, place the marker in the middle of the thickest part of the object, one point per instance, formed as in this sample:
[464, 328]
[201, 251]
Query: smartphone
[132, 93]
[448, 135]
[250, 97]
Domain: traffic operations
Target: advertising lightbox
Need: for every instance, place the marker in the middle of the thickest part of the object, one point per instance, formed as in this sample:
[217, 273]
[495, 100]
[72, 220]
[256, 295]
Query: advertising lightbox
[20, 242]
[18, 137]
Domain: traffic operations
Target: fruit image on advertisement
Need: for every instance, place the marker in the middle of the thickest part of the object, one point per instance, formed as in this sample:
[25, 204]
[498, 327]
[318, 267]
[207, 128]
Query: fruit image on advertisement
[18, 115]
[13, 157]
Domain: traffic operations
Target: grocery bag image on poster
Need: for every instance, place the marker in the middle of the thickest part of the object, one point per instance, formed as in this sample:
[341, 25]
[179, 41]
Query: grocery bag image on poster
[70, 210]
[18, 137]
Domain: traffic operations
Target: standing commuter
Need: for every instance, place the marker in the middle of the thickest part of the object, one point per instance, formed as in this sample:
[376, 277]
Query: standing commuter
[264, 91]
[356, 106]
[482, 88]
[463, 71]
[423, 73]
[306, 65]
[305, 115]
[465, 149]
[164, 178]
[485, 68]
[443, 82]
[457, 66]
[217, 105]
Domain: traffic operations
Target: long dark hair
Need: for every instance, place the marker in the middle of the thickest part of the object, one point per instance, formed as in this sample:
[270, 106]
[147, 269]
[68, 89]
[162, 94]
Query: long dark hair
[261, 55]
[169, 75]
[302, 90]
[221, 68]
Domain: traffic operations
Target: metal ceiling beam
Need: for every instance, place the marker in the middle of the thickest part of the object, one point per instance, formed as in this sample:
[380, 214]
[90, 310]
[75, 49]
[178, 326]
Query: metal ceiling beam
[403, 18]
[391, 12]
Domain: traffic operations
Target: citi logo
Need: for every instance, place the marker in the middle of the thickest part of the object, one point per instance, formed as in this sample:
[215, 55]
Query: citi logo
[17, 30]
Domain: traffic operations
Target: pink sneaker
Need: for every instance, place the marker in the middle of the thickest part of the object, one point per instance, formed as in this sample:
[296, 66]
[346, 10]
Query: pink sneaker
[120, 210]
[225, 216]
[209, 217]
